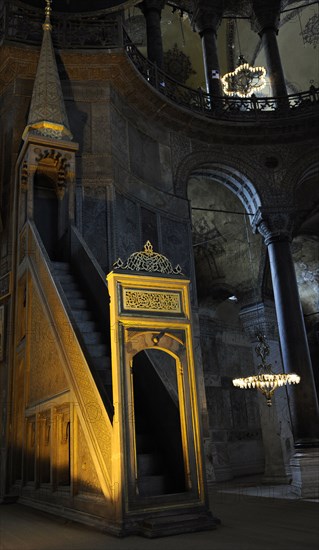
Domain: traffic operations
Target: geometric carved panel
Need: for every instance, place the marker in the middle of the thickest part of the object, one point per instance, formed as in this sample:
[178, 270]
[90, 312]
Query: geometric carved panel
[47, 376]
[87, 479]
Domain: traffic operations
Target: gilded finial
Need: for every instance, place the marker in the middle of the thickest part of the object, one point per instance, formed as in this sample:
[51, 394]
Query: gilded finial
[148, 248]
[48, 10]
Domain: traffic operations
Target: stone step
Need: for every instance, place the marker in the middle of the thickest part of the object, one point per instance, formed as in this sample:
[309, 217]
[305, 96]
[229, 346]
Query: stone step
[73, 294]
[149, 464]
[82, 315]
[69, 287]
[61, 266]
[94, 338]
[102, 363]
[87, 326]
[78, 303]
[151, 485]
[65, 278]
[171, 523]
[99, 350]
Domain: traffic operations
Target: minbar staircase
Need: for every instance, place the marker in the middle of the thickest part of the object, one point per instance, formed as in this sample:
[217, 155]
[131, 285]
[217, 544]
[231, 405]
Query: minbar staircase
[153, 476]
[92, 339]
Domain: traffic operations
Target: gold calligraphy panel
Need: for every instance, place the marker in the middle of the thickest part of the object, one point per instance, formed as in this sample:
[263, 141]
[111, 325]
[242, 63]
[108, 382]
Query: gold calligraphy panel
[152, 300]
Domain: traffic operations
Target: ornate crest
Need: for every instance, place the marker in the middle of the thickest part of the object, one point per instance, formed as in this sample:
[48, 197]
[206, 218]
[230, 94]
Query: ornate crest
[148, 260]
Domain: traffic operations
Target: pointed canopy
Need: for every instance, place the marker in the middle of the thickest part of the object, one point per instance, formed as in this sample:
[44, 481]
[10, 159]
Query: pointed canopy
[47, 115]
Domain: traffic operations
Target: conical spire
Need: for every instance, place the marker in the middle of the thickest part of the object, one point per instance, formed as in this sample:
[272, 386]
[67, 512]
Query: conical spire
[47, 116]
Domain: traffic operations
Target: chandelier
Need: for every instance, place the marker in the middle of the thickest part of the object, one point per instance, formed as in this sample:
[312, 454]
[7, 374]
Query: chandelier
[245, 80]
[266, 381]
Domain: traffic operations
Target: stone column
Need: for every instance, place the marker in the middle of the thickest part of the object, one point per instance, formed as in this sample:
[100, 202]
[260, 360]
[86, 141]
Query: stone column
[266, 23]
[275, 421]
[303, 402]
[206, 21]
[152, 10]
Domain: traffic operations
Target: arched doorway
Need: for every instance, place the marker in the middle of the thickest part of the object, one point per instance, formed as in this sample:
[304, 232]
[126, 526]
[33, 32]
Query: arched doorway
[159, 447]
[46, 212]
[50, 207]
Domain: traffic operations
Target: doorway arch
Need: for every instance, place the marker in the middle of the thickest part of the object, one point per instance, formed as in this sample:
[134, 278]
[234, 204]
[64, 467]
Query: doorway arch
[46, 212]
[157, 419]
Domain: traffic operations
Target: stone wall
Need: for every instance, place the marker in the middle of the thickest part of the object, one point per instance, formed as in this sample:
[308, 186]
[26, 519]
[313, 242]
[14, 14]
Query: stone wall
[234, 422]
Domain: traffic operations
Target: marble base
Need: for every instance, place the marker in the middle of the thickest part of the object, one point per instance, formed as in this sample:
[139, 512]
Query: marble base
[305, 473]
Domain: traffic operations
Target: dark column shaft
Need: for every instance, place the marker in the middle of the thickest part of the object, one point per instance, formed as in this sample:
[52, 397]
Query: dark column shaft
[274, 67]
[211, 63]
[154, 36]
[295, 352]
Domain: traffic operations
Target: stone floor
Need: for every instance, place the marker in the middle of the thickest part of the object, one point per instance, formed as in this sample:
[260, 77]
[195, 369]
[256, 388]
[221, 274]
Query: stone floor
[254, 517]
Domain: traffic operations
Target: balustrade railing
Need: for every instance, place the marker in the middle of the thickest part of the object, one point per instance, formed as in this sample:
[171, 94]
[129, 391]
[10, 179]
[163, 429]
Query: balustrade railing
[101, 30]
[226, 107]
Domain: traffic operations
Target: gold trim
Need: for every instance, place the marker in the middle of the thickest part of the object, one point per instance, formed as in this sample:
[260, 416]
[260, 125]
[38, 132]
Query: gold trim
[149, 261]
[51, 129]
[140, 329]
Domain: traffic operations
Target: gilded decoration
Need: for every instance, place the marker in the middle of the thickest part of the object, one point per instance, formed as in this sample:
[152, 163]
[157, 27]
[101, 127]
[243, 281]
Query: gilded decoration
[150, 300]
[96, 421]
[148, 260]
[47, 376]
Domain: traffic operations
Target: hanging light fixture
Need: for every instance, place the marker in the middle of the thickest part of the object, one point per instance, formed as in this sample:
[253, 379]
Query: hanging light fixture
[266, 381]
[245, 79]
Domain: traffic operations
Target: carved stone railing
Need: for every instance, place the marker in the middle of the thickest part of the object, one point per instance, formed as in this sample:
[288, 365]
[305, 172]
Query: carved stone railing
[102, 30]
[230, 108]
[22, 23]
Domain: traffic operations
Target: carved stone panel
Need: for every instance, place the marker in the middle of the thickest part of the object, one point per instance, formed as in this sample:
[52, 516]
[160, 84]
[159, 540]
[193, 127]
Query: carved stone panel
[47, 376]
[176, 242]
[87, 479]
[95, 224]
[119, 137]
[127, 221]
[144, 155]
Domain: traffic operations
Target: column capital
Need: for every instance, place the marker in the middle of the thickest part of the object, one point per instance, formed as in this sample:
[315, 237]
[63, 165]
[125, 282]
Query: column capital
[266, 15]
[259, 317]
[207, 17]
[152, 5]
[275, 226]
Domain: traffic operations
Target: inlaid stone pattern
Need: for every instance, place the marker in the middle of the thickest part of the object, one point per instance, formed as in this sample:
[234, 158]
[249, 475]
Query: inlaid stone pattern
[87, 479]
[47, 376]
